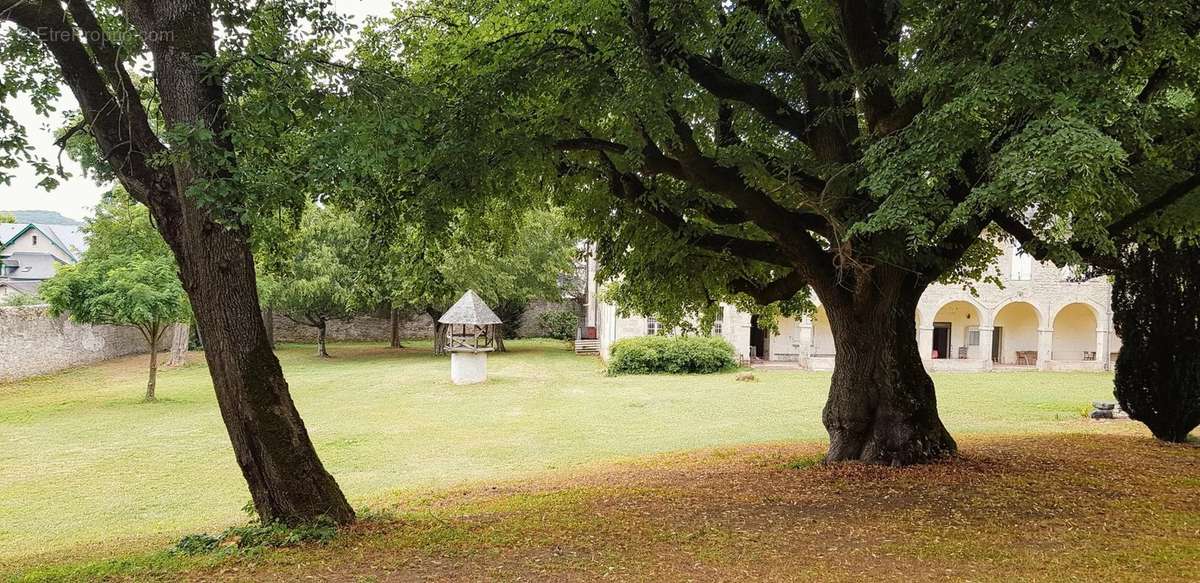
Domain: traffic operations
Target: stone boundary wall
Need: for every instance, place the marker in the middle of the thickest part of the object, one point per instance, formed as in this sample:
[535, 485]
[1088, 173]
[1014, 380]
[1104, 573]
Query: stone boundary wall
[377, 327]
[362, 328]
[34, 343]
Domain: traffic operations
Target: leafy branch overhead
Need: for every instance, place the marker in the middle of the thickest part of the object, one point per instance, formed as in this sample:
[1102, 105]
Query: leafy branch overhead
[795, 144]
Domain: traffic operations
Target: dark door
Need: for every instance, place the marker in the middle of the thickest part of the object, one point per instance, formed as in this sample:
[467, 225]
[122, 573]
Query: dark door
[941, 339]
[997, 343]
[757, 339]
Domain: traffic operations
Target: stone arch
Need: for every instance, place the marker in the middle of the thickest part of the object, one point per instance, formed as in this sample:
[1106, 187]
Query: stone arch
[953, 322]
[1097, 310]
[1043, 320]
[1016, 330]
[1076, 326]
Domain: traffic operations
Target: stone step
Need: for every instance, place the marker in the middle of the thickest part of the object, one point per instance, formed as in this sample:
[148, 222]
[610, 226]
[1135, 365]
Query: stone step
[590, 346]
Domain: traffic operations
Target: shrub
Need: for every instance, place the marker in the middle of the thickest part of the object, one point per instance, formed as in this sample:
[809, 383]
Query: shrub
[15, 300]
[1156, 296]
[256, 536]
[671, 354]
[560, 324]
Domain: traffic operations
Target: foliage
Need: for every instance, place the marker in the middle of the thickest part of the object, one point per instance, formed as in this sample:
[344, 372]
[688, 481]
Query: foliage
[559, 323]
[7, 218]
[505, 259]
[1156, 311]
[510, 312]
[712, 150]
[315, 272]
[672, 355]
[127, 277]
[258, 536]
[14, 300]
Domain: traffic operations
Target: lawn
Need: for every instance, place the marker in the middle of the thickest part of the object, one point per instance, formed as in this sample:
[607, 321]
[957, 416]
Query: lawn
[89, 471]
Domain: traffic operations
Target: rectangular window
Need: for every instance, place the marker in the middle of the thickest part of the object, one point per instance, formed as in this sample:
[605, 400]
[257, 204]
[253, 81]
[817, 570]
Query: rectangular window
[1022, 265]
[973, 336]
[35, 239]
[718, 323]
[652, 327]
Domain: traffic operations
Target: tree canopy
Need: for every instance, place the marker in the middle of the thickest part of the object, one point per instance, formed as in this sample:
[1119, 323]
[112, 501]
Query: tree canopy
[316, 273]
[127, 277]
[760, 149]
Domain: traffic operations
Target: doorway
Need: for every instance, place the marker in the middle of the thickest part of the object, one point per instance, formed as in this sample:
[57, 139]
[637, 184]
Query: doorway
[941, 340]
[997, 343]
[758, 340]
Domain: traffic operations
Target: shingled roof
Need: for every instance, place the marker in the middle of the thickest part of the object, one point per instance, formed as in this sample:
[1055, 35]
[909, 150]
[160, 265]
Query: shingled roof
[470, 309]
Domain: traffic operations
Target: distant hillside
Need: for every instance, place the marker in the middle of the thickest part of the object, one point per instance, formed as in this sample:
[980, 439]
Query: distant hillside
[46, 217]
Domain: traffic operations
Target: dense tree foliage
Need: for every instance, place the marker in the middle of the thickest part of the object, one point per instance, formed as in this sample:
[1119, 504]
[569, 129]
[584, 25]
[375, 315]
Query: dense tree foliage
[760, 149]
[206, 142]
[509, 260]
[127, 277]
[1156, 308]
[316, 271]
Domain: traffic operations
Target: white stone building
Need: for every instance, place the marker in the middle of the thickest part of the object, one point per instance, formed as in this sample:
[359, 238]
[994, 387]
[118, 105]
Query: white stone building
[1041, 318]
[31, 252]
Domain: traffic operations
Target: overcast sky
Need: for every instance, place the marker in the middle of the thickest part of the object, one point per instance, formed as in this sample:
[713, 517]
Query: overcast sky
[75, 197]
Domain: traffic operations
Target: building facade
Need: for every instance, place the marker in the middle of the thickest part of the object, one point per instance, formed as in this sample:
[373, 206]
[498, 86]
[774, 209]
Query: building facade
[1039, 317]
[31, 252]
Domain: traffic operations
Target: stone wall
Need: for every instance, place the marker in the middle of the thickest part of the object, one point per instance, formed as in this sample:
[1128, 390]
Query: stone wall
[377, 327]
[33, 343]
[372, 328]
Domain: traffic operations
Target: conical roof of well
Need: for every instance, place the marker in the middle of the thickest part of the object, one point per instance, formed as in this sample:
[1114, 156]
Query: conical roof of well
[470, 309]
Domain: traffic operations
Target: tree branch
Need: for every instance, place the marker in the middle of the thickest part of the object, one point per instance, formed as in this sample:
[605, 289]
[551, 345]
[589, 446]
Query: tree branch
[868, 30]
[1172, 195]
[780, 289]
[111, 126]
[630, 188]
[659, 46]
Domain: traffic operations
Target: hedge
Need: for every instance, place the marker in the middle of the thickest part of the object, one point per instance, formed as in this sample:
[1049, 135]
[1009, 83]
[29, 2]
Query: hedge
[560, 324]
[671, 354]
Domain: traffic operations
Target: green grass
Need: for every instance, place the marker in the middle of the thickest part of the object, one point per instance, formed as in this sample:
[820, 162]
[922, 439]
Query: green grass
[87, 470]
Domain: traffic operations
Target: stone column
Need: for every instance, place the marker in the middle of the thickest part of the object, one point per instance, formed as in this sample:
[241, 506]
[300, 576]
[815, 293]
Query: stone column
[1045, 347]
[804, 333]
[925, 342]
[1102, 347]
[985, 345]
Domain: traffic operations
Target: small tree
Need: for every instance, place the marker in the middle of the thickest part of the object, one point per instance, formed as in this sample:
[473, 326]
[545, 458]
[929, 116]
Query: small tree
[1156, 308]
[315, 272]
[139, 291]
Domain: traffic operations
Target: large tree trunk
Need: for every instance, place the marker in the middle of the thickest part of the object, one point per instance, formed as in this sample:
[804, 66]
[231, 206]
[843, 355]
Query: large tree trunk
[179, 344]
[269, 322]
[881, 407]
[440, 333]
[321, 329]
[277, 459]
[150, 384]
[286, 479]
[395, 322]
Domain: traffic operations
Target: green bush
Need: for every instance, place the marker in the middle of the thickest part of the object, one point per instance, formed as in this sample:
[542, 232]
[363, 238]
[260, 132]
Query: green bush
[256, 536]
[671, 354]
[15, 300]
[560, 324]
